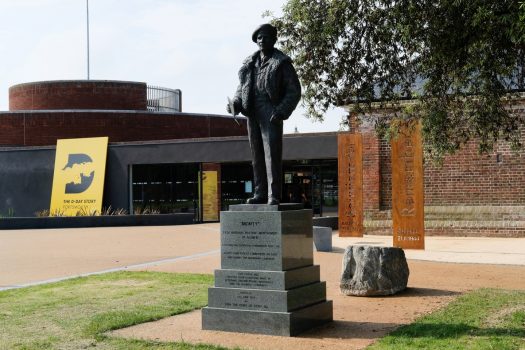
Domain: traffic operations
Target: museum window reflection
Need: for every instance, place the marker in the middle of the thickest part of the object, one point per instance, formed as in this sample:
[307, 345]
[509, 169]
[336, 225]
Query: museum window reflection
[174, 188]
[236, 183]
[165, 188]
[313, 183]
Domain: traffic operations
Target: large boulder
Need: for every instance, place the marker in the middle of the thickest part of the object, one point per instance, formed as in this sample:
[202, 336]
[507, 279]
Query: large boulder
[370, 271]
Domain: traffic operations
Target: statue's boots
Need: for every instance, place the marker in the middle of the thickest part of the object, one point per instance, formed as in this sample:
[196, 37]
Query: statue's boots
[256, 200]
[273, 201]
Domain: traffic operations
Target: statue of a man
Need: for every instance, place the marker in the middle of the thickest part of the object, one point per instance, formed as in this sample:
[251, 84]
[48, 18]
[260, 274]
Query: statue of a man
[268, 92]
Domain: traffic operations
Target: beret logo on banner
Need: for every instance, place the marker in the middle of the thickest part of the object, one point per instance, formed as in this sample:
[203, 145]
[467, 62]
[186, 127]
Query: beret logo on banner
[78, 181]
[78, 165]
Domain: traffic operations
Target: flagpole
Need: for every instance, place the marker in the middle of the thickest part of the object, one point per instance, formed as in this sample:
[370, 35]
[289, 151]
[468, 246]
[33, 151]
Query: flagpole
[87, 22]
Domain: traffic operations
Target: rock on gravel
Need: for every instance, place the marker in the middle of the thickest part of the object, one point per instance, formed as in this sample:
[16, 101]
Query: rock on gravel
[371, 271]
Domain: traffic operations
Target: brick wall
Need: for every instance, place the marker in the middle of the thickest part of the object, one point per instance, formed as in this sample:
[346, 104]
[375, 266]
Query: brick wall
[371, 172]
[465, 178]
[79, 94]
[468, 178]
[11, 129]
[44, 128]
[385, 189]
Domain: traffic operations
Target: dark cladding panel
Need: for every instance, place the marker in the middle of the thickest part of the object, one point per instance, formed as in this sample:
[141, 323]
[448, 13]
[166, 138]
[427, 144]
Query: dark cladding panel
[26, 177]
[310, 146]
[26, 173]
[231, 149]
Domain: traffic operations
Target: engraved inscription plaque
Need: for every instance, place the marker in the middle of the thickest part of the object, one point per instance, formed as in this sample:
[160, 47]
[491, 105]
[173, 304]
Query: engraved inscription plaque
[248, 279]
[261, 240]
[259, 279]
[408, 189]
[350, 170]
[250, 242]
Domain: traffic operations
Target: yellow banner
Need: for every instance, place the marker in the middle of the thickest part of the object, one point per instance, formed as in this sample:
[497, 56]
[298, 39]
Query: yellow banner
[210, 198]
[78, 180]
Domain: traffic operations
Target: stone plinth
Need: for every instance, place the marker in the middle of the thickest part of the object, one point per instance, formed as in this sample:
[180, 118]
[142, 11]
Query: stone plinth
[323, 238]
[266, 240]
[267, 283]
[371, 271]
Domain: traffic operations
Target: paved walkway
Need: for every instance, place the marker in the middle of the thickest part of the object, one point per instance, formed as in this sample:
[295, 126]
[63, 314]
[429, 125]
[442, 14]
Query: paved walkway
[38, 256]
[473, 250]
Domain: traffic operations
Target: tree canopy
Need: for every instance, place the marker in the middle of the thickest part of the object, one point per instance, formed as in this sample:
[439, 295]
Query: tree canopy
[457, 61]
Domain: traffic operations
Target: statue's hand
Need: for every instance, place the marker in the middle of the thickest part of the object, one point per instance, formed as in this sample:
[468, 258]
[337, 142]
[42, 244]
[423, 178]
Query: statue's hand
[276, 119]
[235, 107]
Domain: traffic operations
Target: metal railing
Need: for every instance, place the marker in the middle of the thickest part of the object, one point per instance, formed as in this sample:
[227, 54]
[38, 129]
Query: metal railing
[164, 100]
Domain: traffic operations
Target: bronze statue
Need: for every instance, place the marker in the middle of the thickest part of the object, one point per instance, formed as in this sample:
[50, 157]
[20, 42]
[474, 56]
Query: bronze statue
[268, 92]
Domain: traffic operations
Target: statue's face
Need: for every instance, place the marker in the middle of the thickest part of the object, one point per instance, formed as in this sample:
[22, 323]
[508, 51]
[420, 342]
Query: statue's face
[265, 40]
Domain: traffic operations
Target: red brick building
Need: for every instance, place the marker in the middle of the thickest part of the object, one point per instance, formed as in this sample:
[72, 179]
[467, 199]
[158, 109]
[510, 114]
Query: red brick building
[468, 194]
[42, 112]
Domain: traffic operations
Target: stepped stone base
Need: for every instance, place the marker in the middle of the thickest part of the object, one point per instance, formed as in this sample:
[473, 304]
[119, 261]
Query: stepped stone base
[267, 283]
[264, 322]
[267, 300]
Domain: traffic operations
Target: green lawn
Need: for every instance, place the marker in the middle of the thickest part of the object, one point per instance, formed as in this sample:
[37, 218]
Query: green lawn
[484, 319]
[74, 314]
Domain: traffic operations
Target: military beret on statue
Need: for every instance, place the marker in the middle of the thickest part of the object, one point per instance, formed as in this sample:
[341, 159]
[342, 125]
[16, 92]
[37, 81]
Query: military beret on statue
[267, 28]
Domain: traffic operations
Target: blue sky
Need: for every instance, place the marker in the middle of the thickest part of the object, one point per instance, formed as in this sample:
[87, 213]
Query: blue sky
[193, 45]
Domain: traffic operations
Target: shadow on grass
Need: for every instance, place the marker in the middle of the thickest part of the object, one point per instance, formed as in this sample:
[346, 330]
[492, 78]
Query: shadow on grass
[350, 330]
[371, 330]
[340, 329]
[445, 331]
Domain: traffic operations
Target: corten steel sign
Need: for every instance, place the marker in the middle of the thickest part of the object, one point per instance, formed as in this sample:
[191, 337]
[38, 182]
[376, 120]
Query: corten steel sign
[408, 189]
[78, 180]
[350, 178]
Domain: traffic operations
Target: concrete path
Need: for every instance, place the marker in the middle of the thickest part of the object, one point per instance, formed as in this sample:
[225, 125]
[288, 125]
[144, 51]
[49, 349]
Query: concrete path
[472, 250]
[30, 257]
[38, 256]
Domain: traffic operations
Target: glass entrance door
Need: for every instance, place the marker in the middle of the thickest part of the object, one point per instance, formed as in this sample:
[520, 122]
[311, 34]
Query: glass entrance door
[313, 183]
